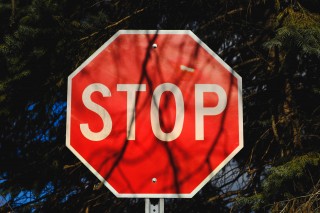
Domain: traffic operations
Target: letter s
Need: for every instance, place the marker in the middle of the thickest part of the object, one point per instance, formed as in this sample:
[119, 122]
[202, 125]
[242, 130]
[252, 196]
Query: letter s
[104, 115]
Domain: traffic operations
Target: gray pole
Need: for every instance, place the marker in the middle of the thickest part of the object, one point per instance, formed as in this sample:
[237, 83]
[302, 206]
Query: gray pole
[154, 205]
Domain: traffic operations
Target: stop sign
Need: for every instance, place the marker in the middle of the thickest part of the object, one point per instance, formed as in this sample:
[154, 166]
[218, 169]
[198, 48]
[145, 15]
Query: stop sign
[154, 114]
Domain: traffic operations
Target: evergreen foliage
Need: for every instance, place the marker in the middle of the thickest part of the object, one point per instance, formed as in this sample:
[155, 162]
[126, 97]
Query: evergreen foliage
[287, 182]
[297, 29]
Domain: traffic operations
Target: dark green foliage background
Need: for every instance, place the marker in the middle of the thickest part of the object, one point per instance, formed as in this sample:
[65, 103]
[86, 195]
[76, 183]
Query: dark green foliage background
[273, 44]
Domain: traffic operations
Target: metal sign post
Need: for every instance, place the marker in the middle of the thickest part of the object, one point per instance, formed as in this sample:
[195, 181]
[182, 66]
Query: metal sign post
[154, 205]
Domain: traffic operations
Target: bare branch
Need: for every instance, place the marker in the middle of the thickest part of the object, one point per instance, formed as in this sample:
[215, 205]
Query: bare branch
[114, 24]
[219, 18]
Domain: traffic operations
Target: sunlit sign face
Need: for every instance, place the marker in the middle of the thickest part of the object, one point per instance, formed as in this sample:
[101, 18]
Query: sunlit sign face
[154, 114]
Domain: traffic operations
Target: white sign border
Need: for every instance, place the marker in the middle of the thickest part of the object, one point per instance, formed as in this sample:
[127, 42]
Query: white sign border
[214, 172]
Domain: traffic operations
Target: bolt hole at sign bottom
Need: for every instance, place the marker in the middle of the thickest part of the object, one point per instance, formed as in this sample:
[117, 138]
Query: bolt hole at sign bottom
[154, 180]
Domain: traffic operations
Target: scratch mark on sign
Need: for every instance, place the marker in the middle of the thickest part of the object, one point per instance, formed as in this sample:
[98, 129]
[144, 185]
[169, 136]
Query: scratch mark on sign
[187, 69]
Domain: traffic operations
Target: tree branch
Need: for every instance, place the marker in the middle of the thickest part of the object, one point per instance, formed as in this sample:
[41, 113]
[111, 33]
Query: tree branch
[218, 18]
[114, 24]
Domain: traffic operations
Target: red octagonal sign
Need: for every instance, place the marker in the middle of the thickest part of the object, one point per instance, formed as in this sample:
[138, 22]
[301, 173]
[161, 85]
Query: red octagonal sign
[154, 114]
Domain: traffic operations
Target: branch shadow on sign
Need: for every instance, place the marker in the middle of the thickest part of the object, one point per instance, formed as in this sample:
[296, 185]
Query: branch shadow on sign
[173, 156]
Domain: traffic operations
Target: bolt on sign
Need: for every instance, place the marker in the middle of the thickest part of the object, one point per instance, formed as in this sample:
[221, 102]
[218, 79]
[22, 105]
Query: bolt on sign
[154, 114]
